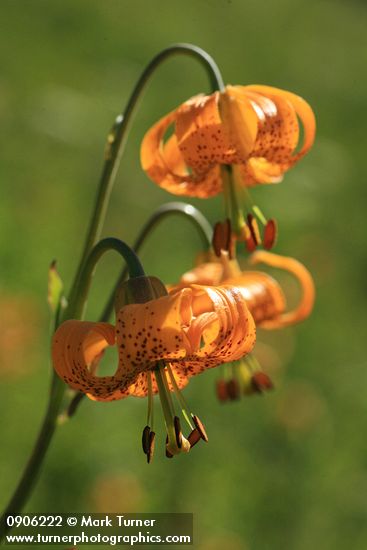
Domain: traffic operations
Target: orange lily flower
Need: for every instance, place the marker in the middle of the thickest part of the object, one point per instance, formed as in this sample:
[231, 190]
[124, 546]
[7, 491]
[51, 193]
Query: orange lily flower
[263, 295]
[193, 329]
[266, 301]
[161, 344]
[255, 128]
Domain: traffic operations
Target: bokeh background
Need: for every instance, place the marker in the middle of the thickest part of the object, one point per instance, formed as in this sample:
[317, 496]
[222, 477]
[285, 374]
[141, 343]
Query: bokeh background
[287, 470]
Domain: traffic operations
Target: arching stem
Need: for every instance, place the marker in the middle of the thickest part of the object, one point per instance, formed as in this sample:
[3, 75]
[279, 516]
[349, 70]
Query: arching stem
[189, 212]
[115, 146]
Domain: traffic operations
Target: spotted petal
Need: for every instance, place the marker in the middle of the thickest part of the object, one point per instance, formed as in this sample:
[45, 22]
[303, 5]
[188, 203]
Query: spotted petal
[171, 328]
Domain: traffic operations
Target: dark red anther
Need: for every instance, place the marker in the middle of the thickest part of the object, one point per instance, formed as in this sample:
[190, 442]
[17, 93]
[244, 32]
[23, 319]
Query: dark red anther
[261, 382]
[145, 439]
[270, 234]
[222, 392]
[250, 244]
[218, 238]
[200, 427]
[233, 388]
[194, 437]
[168, 454]
[222, 238]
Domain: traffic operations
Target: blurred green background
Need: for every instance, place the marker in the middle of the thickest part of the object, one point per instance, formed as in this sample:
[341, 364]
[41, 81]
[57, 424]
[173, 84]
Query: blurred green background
[287, 470]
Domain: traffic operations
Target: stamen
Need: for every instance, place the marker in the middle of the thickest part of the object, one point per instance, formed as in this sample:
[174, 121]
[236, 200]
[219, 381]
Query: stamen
[166, 403]
[254, 229]
[145, 439]
[250, 244]
[233, 388]
[253, 363]
[222, 238]
[180, 397]
[150, 452]
[148, 436]
[200, 427]
[150, 419]
[222, 392]
[246, 236]
[270, 234]
[218, 239]
[261, 382]
[259, 214]
[168, 454]
[194, 437]
[178, 432]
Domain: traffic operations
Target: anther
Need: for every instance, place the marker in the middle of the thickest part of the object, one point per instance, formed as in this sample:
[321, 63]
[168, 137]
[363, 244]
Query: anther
[168, 454]
[145, 439]
[261, 382]
[178, 432]
[200, 427]
[222, 238]
[254, 228]
[218, 240]
[222, 392]
[194, 437]
[270, 234]
[233, 389]
[250, 244]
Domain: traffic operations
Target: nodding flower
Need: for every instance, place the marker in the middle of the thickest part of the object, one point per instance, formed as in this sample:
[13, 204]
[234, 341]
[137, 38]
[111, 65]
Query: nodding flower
[227, 142]
[161, 344]
[254, 128]
[267, 303]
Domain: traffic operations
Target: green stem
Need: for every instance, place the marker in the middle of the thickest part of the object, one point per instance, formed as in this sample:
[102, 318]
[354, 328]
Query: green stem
[172, 208]
[134, 268]
[116, 143]
[231, 199]
[57, 387]
[186, 210]
[118, 137]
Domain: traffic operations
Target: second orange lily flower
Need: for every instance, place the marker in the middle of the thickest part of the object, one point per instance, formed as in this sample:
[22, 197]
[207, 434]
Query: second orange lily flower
[255, 128]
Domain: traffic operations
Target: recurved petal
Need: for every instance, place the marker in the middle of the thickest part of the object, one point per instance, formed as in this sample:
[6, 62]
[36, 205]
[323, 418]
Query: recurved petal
[259, 170]
[229, 332]
[165, 165]
[151, 157]
[76, 346]
[278, 131]
[263, 295]
[301, 108]
[305, 280]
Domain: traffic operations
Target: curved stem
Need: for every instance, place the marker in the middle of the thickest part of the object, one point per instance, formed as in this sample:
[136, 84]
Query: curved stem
[118, 137]
[57, 387]
[134, 268]
[115, 145]
[186, 210]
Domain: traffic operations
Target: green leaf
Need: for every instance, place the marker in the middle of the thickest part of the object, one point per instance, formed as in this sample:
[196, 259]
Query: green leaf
[55, 288]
